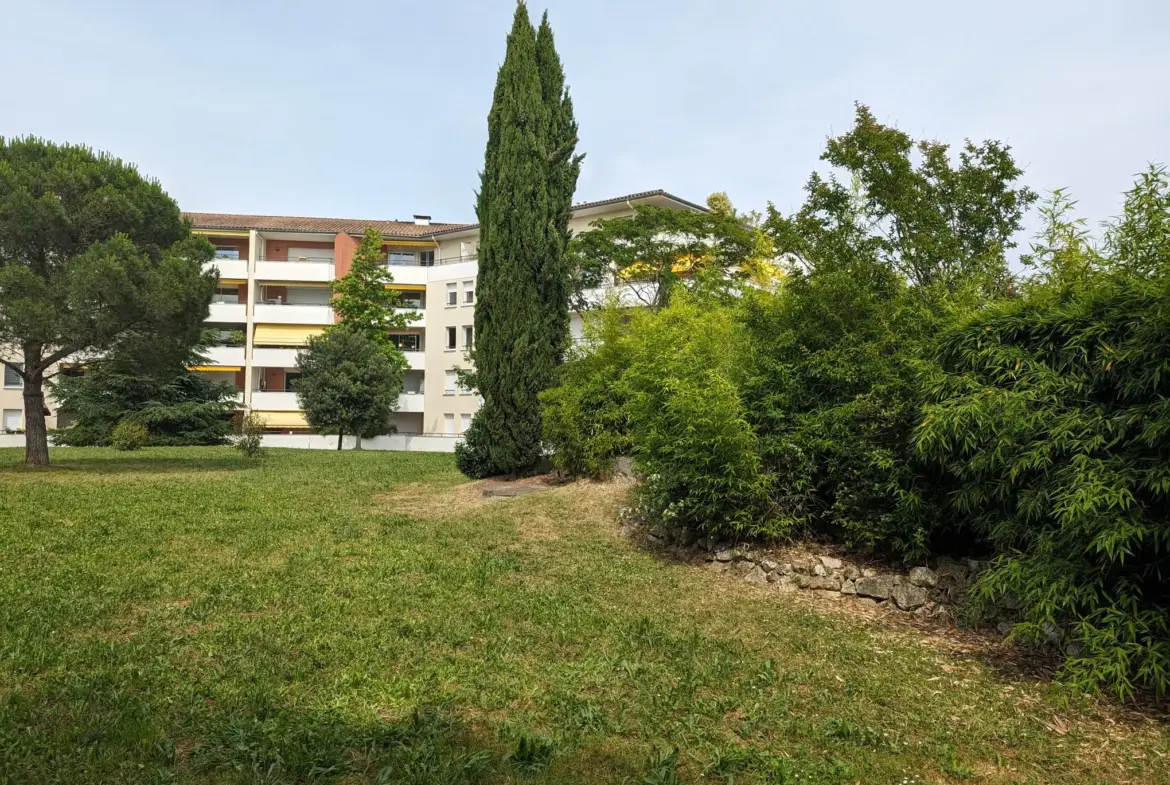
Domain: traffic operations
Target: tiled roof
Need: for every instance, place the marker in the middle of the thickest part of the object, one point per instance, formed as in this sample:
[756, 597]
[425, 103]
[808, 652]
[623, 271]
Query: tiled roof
[288, 223]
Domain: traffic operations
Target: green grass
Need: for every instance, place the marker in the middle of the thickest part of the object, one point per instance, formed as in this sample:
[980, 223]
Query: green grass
[189, 616]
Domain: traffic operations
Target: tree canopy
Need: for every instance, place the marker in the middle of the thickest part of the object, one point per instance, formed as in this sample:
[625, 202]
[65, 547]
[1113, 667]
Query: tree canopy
[90, 252]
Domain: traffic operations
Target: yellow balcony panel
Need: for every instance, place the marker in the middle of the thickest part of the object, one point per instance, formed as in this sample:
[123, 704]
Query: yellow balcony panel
[284, 419]
[284, 334]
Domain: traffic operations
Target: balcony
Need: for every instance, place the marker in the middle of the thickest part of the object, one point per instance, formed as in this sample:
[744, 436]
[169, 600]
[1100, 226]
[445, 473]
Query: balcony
[229, 269]
[232, 356]
[418, 316]
[228, 313]
[411, 402]
[266, 357]
[411, 274]
[416, 361]
[269, 313]
[310, 268]
[269, 401]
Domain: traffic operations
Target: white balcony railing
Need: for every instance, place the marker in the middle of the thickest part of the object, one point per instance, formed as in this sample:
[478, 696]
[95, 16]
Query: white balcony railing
[229, 269]
[411, 275]
[411, 402]
[267, 357]
[417, 361]
[267, 313]
[228, 312]
[275, 401]
[225, 355]
[309, 271]
[418, 317]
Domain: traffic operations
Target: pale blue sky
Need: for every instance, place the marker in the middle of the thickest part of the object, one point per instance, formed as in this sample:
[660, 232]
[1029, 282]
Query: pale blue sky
[368, 109]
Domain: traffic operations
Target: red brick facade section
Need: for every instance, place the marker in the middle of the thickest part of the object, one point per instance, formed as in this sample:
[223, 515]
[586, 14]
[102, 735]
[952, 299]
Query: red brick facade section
[277, 250]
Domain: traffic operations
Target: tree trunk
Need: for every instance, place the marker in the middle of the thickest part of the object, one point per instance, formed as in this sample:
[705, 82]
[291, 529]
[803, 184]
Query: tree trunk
[357, 444]
[36, 435]
[340, 434]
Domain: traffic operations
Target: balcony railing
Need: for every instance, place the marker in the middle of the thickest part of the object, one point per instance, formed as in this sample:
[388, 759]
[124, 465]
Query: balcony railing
[304, 259]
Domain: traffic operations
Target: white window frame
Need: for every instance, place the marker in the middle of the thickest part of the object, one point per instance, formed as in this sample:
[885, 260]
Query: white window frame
[449, 424]
[469, 293]
[464, 422]
[451, 344]
[468, 336]
[4, 420]
[452, 295]
[451, 383]
[19, 381]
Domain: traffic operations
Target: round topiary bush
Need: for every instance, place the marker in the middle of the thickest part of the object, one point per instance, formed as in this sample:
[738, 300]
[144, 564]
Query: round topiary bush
[129, 435]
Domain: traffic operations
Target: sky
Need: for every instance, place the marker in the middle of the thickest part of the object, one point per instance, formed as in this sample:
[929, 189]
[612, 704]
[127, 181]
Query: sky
[366, 109]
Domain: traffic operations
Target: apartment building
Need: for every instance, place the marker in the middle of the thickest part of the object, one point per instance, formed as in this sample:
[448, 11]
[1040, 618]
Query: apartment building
[273, 295]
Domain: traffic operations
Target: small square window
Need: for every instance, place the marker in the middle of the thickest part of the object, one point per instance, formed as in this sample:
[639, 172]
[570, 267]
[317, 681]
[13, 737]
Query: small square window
[12, 377]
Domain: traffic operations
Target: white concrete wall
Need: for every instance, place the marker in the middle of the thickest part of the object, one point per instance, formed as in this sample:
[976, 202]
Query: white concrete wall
[295, 271]
[293, 314]
[400, 442]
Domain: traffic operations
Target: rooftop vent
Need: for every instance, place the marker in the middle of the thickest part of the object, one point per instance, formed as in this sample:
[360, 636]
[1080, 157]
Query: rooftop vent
[422, 220]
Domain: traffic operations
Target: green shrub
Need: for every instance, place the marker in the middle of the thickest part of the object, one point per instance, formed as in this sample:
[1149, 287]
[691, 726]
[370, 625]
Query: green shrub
[585, 419]
[249, 430]
[1053, 414]
[129, 435]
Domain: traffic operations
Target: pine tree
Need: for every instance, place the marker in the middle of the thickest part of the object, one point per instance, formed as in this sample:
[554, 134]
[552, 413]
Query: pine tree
[564, 169]
[515, 355]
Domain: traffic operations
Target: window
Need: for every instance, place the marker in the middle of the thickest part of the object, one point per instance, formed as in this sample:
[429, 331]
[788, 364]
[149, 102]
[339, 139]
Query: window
[452, 382]
[469, 292]
[465, 424]
[426, 258]
[466, 250]
[450, 337]
[449, 424]
[412, 300]
[407, 342]
[226, 294]
[13, 379]
[452, 295]
[468, 336]
[11, 421]
[226, 252]
[290, 378]
[399, 258]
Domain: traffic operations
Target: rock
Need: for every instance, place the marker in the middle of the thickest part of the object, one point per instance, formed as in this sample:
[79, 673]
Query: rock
[623, 466]
[1052, 633]
[1010, 601]
[909, 597]
[851, 573]
[707, 543]
[757, 576]
[787, 569]
[898, 579]
[951, 569]
[866, 601]
[924, 577]
[724, 555]
[869, 572]
[877, 587]
[802, 567]
[974, 565]
[937, 595]
[741, 569]
[822, 583]
[819, 570]
[688, 537]
[1004, 627]
[510, 491]
[830, 563]
[768, 565]
[627, 530]
[849, 587]
[827, 594]
[654, 538]
[922, 612]
[718, 566]
[785, 583]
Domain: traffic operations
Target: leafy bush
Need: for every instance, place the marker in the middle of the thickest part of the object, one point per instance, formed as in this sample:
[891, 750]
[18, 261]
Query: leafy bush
[585, 419]
[249, 430]
[129, 435]
[1053, 414]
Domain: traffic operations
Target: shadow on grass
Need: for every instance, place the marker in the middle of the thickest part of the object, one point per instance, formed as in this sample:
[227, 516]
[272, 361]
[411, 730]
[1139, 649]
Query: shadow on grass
[139, 463]
[97, 730]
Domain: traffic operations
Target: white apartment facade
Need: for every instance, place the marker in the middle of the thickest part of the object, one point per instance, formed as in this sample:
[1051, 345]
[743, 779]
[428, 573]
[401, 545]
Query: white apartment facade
[274, 274]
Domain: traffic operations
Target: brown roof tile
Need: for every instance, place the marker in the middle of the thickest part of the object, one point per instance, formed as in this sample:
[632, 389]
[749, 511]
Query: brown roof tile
[289, 223]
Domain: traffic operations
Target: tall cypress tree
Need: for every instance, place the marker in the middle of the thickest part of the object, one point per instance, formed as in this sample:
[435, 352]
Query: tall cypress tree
[564, 169]
[515, 354]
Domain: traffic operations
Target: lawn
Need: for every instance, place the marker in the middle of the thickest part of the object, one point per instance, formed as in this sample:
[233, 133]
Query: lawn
[190, 616]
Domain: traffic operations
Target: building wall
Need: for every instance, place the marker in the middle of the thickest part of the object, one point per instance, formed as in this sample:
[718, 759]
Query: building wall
[277, 250]
[439, 360]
